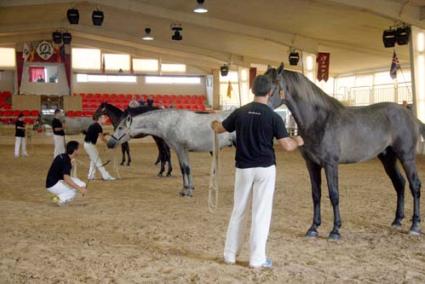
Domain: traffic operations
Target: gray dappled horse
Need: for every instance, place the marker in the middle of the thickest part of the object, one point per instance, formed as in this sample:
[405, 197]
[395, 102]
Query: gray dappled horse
[116, 115]
[334, 134]
[184, 131]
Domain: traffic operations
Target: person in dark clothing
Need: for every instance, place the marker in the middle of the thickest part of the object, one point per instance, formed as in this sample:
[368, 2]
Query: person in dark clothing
[256, 124]
[58, 134]
[93, 132]
[59, 181]
[150, 101]
[20, 142]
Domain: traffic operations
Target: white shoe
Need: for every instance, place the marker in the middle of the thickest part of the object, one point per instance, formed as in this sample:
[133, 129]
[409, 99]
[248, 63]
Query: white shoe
[109, 178]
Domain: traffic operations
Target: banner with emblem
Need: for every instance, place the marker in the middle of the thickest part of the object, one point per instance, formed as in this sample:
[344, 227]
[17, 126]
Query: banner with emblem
[45, 50]
[323, 60]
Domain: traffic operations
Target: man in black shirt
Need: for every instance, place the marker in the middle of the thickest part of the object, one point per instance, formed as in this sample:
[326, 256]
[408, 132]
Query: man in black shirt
[90, 141]
[256, 125]
[20, 136]
[59, 181]
[58, 134]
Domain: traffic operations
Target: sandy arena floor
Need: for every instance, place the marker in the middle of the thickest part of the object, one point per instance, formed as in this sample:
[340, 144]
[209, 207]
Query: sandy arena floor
[138, 230]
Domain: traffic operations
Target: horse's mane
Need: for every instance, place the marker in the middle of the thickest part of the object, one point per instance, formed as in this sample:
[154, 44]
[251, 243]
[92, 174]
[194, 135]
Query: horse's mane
[133, 111]
[113, 109]
[310, 91]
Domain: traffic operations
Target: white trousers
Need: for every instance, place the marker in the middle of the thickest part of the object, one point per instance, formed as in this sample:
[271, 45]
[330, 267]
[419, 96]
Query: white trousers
[64, 191]
[20, 142]
[256, 185]
[59, 142]
[95, 161]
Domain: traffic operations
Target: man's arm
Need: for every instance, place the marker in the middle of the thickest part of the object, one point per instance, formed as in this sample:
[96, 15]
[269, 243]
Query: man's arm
[217, 126]
[68, 181]
[291, 143]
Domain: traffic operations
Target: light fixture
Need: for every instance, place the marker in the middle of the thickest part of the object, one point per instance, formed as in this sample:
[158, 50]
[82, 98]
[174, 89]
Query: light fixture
[73, 16]
[57, 37]
[200, 8]
[147, 35]
[224, 70]
[66, 38]
[97, 17]
[402, 35]
[177, 29]
[294, 57]
[389, 38]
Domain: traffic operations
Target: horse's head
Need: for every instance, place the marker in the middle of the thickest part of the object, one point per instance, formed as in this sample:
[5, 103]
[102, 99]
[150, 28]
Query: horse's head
[122, 133]
[279, 87]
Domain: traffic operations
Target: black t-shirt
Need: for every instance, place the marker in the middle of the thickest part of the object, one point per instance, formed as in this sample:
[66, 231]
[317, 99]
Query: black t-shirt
[19, 132]
[256, 124]
[61, 166]
[56, 123]
[93, 133]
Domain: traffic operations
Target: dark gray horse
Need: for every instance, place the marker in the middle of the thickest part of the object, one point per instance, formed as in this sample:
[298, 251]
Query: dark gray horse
[185, 131]
[116, 115]
[335, 134]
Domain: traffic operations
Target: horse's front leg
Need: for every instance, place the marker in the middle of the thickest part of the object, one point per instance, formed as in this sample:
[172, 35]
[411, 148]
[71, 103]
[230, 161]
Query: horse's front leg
[123, 153]
[332, 179]
[314, 171]
[183, 157]
[128, 154]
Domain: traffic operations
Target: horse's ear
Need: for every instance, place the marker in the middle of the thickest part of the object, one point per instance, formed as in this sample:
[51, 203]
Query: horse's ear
[128, 121]
[281, 68]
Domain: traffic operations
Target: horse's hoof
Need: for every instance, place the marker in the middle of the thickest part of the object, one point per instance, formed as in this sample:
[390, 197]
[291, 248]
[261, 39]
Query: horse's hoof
[415, 230]
[128, 165]
[168, 175]
[185, 194]
[160, 174]
[312, 234]
[122, 164]
[396, 225]
[334, 236]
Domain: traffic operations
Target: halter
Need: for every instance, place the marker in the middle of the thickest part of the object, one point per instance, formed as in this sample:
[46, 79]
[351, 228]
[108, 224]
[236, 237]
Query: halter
[118, 139]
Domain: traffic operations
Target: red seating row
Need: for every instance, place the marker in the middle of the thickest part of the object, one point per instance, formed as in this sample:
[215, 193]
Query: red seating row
[10, 116]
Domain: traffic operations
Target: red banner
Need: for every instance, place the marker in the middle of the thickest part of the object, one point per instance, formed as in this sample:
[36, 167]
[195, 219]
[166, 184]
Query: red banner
[322, 60]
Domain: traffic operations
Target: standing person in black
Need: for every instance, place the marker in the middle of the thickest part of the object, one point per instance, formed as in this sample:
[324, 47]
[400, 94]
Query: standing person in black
[256, 124]
[59, 181]
[90, 141]
[58, 134]
[20, 141]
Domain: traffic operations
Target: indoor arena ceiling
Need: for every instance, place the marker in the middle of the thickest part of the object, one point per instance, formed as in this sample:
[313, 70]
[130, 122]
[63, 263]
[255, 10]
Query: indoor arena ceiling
[236, 31]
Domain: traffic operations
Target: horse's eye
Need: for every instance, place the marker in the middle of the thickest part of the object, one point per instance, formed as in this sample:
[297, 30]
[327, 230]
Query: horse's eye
[120, 128]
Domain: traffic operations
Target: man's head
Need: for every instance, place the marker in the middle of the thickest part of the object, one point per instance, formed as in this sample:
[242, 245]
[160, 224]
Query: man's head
[72, 148]
[21, 116]
[102, 119]
[262, 86]
[57, 112]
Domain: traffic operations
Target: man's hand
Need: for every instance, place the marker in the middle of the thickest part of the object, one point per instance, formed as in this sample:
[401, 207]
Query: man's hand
[217, 127]
[82, 190]
[299, 140]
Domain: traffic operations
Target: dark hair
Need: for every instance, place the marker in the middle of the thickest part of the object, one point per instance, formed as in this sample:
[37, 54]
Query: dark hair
[57, 110]
[71, 146]
[261, 86]
[21, 114]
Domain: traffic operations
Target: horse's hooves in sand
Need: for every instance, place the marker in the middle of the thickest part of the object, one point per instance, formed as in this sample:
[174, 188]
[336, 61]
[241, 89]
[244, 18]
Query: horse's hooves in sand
[334, 236]
[415, 230]
[312, 234]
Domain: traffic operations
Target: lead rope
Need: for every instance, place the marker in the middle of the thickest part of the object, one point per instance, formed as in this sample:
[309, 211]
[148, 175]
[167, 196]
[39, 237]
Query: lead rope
[214, 173]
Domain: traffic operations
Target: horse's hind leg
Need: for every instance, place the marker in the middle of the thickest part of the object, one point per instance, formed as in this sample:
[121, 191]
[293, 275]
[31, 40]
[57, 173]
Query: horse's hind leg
[314, 171]
[409, 166]
[389, 160]
[128, 154]
[332, 178]
[168, 159]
